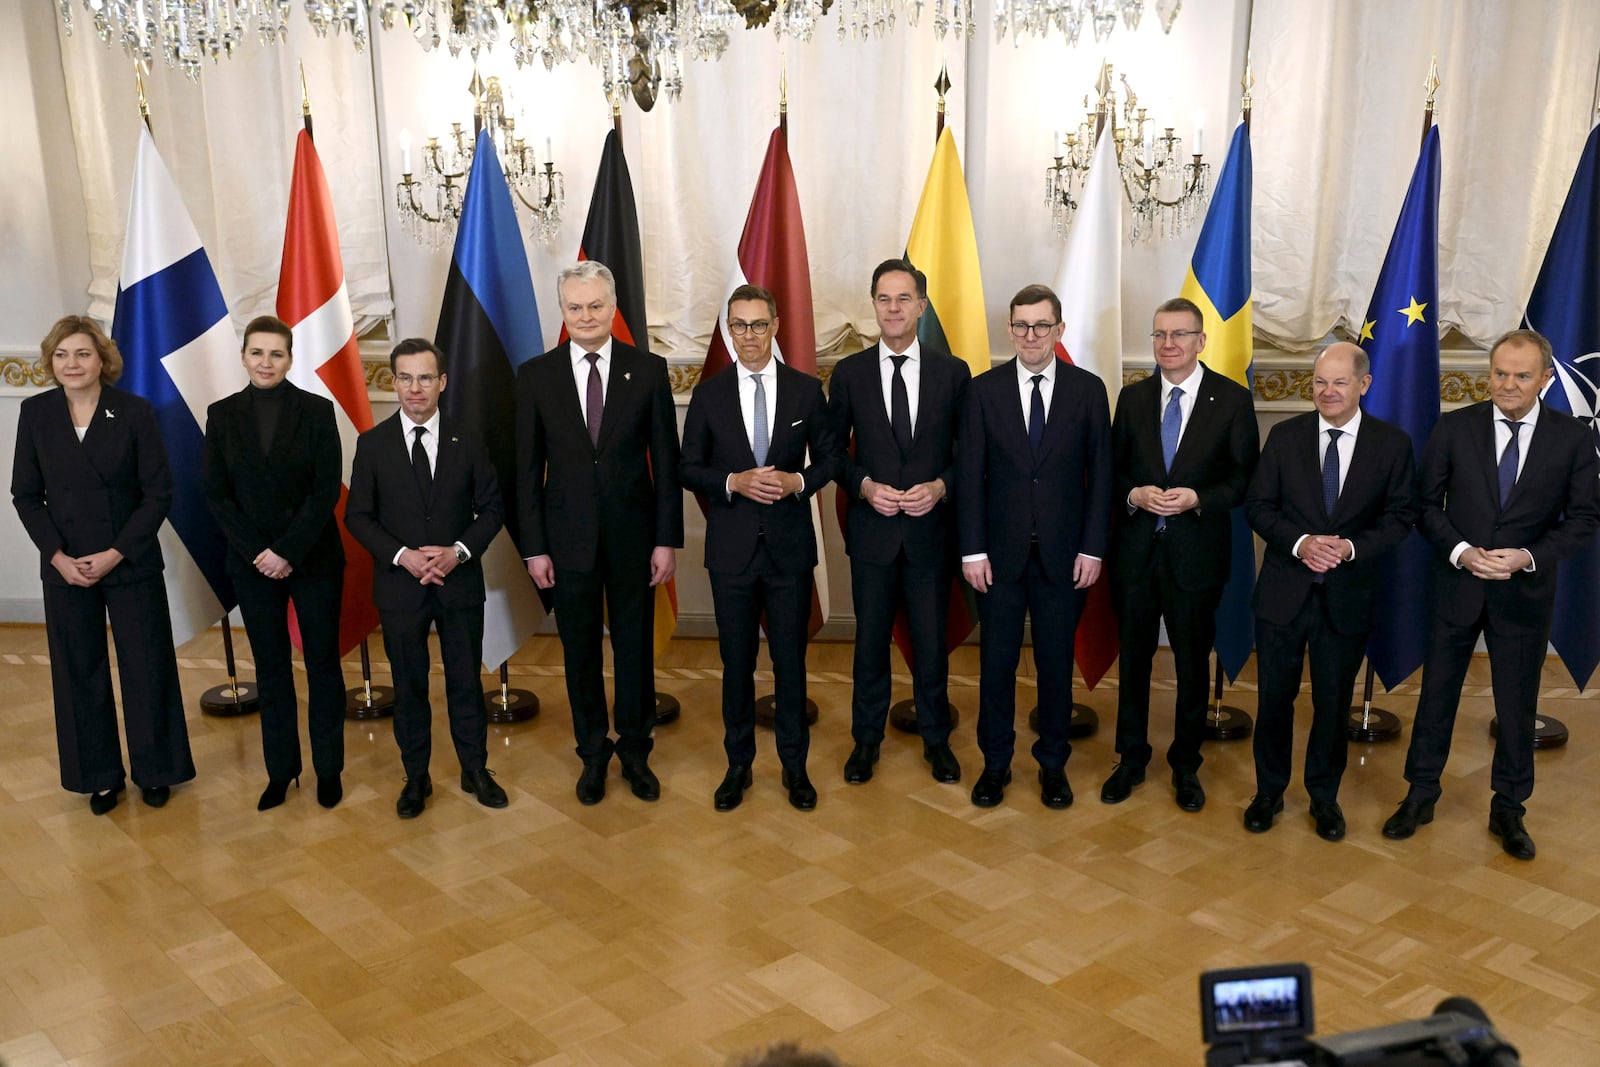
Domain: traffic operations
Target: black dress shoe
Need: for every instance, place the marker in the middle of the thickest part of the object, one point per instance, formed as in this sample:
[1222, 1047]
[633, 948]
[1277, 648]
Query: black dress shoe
[1514, 838]
[102, 803]
[155, 796]
[414, 797]
[481, 784]
[1263, 806]
[1119, 786]
[637, 773]
[330, 790]
[1054, 790]
[1190, 796]
[802, 794]
[858, 768]
[731, 791]
[946, 768]
[275, 793]
[592, 782]
[990, 788]
[1404, 822]
[1329, 819]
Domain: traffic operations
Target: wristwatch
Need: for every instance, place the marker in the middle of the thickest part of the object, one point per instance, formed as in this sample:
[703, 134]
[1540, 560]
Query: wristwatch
[461, 554]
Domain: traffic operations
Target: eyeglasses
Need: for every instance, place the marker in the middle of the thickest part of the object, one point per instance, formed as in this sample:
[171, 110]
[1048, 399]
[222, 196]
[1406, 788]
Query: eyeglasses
[1180, 336]
[1038, 329]
[738, 327]
[406, 381]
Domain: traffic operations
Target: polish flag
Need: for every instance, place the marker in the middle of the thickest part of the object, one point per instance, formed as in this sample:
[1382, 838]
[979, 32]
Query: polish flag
[312, 299]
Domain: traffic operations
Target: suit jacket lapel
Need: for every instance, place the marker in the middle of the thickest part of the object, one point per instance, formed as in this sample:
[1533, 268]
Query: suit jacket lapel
[98, 448]
[784, 409]
[1491, 463]
[620, 392]
[566, 391]
[1534, 446]
[1362, 467]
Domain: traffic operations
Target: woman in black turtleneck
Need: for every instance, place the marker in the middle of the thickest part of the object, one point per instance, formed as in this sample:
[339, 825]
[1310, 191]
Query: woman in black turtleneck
[273, 474]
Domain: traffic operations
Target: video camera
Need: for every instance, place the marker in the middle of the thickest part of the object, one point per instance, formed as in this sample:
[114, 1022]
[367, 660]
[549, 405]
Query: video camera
[1264, 1016]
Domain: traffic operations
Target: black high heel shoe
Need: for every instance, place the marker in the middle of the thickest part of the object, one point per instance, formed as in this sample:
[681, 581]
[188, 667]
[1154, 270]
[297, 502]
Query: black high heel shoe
[275, 794]
[330, 791]
[103, 802]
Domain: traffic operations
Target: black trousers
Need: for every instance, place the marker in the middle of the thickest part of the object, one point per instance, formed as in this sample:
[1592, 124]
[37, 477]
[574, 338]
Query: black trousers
[80, 677]
[1515, 663]
[405, 641]
[740, 601]
[264, 603]
[616, 593]
[1141, 604]
[1280, 657]
[1054, 608]
[880, 591]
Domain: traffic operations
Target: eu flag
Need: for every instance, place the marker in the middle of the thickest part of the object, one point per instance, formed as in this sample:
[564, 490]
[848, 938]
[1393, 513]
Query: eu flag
[1401, 336]
[1565, 307]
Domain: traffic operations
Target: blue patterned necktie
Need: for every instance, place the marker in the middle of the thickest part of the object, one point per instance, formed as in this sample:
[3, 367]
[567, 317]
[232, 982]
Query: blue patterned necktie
[1508, 462]
[1036, 416]
[1171, 424]
[760, 444]
[1330, 472]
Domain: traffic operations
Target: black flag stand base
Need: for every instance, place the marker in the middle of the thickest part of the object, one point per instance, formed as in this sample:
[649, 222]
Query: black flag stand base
[765, 706]
[667, 708]
[1547, 732]
[1224, 722]
[1369, 724]
[1085, 721]
[368, 701]
[235, 698]
[903, 716]
[508, 705]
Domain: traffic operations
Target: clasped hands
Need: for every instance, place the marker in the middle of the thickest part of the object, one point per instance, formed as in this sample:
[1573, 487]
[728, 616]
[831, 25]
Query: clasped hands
[1168, 502]
[765, 485]
[272, 565]
[84, 571]
[916, 501]
[1323, 552]
[430, 564]
[1495, 564]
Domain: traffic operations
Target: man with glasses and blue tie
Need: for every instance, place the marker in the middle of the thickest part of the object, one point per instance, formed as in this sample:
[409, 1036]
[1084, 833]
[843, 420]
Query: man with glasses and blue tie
[1185, 443]
[757, 445]
[1333, 494]
[1506, 490]
[1033, 511]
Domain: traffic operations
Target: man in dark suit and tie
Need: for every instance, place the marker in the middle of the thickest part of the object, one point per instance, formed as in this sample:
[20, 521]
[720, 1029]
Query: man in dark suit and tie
[746, 440]
[1507, 489]
[1034, 507]
[601, 516]
[900, 402]
[1334, 492]
[425, 503]
[1186, 444]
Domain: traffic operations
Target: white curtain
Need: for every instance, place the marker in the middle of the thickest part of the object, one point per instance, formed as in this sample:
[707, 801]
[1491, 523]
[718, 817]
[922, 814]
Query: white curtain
[229, 142]
[1337, 128]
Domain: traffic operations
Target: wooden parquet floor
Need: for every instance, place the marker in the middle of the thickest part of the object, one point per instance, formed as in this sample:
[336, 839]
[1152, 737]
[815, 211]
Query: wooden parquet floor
[896, 924]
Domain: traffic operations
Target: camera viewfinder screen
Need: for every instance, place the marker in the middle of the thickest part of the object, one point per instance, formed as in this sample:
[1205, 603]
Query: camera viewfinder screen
[1257, 1004]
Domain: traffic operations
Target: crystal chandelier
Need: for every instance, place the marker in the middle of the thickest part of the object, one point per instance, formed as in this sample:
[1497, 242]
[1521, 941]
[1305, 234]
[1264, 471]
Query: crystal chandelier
[1036, 18]
[430, 203]
[1165, 192]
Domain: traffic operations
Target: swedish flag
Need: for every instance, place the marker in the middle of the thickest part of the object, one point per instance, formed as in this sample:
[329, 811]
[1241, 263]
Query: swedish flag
[1219, 282]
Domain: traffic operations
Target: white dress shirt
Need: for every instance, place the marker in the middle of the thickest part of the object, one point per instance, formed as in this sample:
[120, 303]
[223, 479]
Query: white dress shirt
[580, 373]
[910, 371]
[1347, 449]
[430, 445]
[1502, 440]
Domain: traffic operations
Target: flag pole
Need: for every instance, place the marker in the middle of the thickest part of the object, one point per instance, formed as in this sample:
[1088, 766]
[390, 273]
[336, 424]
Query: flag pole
[1367, 723]
[1229, 722]
[941, 85]
[767, 706]
[305, 103]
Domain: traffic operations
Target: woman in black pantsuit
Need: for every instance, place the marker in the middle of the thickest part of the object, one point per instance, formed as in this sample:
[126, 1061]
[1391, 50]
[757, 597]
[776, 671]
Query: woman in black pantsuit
[273, 477]
[91, 485]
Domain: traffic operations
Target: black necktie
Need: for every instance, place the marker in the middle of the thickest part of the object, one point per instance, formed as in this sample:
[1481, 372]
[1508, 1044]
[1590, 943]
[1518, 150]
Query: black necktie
[595, 402]
[900, 407]
[1036, 416]
[419, 462]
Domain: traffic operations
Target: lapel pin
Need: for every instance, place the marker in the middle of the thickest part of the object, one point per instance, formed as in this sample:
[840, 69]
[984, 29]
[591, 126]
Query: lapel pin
[110, 414]
[627, 375]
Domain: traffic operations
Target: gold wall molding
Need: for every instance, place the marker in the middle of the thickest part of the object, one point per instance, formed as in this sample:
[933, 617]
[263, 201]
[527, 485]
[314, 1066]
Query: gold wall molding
[19, 372]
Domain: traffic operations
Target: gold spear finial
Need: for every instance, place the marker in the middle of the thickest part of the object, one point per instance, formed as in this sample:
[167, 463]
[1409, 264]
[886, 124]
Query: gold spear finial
[1431, 82]
[144, 105]
[305, 95]
[783, 85]
[1248, 82]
